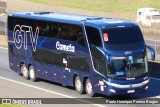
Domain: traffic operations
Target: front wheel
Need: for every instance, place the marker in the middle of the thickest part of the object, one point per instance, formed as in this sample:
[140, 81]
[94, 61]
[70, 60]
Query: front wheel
[32, 74]
[89, 88]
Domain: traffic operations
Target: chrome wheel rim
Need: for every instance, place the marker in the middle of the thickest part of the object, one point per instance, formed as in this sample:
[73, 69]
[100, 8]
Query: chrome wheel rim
[25, 71]
[78, 85]
[32, 74]
[89, 87]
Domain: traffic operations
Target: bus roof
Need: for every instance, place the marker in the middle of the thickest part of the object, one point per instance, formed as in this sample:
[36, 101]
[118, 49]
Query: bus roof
[75, 19]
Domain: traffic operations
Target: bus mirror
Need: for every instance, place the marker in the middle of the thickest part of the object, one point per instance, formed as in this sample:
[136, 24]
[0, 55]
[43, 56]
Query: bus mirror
[152, 52]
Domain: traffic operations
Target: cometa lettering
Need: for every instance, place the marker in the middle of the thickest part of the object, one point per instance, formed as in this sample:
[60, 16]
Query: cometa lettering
[63, 47]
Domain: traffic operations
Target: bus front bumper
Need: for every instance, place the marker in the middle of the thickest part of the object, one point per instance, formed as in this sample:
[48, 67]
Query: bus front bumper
[117, 89]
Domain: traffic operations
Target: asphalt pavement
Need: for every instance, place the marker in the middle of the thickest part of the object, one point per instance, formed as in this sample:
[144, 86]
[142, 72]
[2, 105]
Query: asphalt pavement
[3, 20]
[155, 44]
[15, 86]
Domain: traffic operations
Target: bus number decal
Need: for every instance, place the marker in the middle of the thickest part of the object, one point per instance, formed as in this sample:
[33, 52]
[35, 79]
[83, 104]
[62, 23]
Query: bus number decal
[20, 36]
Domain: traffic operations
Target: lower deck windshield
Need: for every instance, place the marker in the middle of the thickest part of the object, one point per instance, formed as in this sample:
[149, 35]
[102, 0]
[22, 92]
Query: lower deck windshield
[128, 67]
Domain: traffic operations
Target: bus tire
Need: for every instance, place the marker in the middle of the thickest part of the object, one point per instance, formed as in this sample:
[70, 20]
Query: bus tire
[32, 74]
[24, 71]
[78, 85]
[89, 88]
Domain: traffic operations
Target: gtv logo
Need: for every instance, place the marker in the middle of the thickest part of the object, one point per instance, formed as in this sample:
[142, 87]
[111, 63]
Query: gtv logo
[20, 36]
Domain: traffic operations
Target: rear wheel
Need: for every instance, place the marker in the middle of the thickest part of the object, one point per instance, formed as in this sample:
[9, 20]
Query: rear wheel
[24, 71]
[89, 88]
[32, 74]
[78, 85]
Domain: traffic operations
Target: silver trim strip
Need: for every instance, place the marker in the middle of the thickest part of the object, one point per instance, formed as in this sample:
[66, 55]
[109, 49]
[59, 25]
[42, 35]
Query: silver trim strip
[127, 86]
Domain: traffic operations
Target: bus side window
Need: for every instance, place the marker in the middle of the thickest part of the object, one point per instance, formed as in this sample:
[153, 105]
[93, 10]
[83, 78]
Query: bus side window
[53, 30]
[11, 23]
[20, 21]
[71, 32]
[97, 56]
[98, 60]
[32, 23]
[76, 34]
[43, 28]
[63, 31]
[93, 36]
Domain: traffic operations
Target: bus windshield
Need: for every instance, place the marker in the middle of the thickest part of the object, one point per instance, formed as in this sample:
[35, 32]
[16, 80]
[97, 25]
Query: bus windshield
[123, 38]
[125, 67]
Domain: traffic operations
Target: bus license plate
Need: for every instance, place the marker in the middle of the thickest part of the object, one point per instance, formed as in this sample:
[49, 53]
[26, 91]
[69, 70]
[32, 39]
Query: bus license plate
[130, 91]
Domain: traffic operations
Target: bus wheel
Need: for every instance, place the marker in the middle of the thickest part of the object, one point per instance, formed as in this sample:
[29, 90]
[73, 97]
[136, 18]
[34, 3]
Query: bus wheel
[24, 71]
[89, 88]
[78, 85]
[32, 74]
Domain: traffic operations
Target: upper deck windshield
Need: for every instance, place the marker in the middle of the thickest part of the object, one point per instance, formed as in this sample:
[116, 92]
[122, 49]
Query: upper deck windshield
[123, 38]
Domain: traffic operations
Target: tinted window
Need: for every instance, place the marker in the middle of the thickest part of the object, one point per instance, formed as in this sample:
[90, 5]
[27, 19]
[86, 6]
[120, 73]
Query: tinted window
[38, 55]
[42, 55]
[43, 28]
[32, 23]
[71, 32]
[58, 57]
[20, 21]
[78, 63]
[93, 36]
[98, 60]
[53, 29]
[76, 34]
[94, 40]
[61, 31]
[55, 59]
[11, 22]
[123, 38]
[64, 31]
